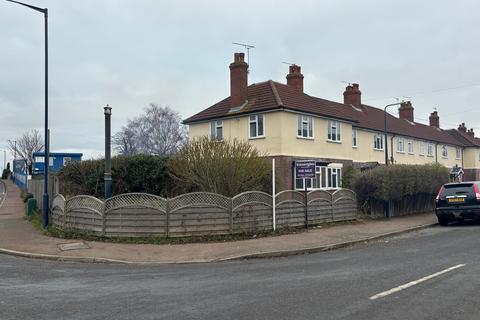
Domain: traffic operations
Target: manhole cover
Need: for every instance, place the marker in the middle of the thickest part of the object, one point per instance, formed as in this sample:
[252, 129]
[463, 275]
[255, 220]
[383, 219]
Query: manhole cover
[73, 246]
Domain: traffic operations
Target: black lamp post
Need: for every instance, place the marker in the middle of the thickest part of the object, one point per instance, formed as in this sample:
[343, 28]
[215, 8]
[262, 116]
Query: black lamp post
[47, 147]
[108, 169]
[385, 128]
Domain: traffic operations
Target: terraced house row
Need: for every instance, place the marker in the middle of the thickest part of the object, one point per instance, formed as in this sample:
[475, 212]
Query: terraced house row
[290, 125]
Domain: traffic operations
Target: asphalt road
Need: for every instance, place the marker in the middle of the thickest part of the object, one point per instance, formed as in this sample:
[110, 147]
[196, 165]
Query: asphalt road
[331, 285]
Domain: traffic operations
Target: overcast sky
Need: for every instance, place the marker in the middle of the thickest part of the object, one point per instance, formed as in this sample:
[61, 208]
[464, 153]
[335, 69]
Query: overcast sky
[130, 53]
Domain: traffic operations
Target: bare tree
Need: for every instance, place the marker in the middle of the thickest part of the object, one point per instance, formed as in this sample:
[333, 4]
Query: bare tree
[158, 131]
[24, 147]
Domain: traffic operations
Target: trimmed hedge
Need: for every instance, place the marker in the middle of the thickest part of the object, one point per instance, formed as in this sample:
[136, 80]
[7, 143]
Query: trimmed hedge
[138, 173]
[395, 182]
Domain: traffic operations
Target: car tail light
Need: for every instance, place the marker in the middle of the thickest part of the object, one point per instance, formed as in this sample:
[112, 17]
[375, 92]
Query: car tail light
[437, 199]
[477, 192]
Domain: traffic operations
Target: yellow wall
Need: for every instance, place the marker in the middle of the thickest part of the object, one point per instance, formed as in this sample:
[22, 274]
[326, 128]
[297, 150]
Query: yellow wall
[471, 156]
[281, 139]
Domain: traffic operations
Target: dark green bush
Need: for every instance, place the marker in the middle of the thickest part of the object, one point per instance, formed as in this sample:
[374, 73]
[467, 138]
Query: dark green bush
[397, 181]
[138, 173]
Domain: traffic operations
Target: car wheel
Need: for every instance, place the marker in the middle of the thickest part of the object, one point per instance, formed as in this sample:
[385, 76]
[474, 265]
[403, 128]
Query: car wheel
[443, 221]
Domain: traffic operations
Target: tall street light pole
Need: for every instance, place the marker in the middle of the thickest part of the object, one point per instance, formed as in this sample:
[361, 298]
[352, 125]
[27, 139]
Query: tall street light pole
[385, 128]
[107, 111]
[47, 147]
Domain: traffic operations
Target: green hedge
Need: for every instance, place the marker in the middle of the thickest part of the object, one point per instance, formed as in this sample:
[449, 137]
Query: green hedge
[397, 181]
[138, 173]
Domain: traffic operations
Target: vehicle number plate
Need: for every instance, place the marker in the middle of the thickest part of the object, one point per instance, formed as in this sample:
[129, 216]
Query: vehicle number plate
[456, 200]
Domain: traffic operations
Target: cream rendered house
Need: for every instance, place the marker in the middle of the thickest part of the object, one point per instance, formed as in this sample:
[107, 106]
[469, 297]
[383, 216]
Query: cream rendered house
[289, 125]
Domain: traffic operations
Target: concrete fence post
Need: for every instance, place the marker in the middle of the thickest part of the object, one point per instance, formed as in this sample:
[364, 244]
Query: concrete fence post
[167, 217]
[230, 212]
[104, 218]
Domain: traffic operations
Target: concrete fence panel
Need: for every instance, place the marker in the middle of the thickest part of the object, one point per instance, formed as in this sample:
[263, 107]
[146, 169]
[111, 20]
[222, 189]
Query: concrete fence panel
[252, 212]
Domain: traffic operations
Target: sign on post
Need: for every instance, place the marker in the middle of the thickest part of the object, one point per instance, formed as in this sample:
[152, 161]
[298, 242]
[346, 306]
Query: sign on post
[305, 169]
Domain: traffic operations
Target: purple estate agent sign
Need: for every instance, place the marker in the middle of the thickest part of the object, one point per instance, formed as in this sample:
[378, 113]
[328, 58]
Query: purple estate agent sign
[305, 169]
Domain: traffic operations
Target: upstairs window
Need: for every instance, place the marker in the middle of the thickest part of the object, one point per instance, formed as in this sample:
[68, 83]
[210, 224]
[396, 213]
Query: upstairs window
[334, 131]
[458, 153]
[256, 126]
[430, 150]
[378, 142]
[400, 145]
[444, 151]
[216, 130]
[410, 146]
[421, 150]
[354, 138]
[305, 126]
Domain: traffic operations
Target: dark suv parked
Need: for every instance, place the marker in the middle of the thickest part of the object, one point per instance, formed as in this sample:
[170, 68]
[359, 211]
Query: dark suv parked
[458, 201]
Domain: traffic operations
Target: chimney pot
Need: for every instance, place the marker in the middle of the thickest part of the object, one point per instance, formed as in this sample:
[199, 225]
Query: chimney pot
[295, 77]
[462, 127]
[352, 95]
[238, 80]
[471, 133]
[406, 111]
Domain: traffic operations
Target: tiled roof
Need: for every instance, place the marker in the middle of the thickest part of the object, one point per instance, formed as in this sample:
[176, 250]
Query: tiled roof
[373, 118]
[271, 95]
[464, 138]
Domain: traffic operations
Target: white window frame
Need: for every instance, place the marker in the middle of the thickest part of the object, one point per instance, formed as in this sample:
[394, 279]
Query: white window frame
[400, 145]
[323, 178]
[458, 153]
[354, 138]
[378, 139]
[334, 133]
[421, 148]
[308, 122]
[255, 121]
[216, 125]
[410, 149]
[430, 150]
[444, 151]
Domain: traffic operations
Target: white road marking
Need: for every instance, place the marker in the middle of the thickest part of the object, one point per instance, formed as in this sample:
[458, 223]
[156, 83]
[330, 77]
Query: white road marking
[410, 284]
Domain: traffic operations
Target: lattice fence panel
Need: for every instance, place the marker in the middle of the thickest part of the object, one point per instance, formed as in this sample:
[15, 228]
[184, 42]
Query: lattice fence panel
[343, 193]
[251, 197]
[85, 202]
[344, 209]
[136, 200]
[199, 198]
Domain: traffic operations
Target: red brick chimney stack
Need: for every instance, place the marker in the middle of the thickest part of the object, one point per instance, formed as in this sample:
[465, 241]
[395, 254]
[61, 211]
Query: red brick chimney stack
[406, 111]
[462, 127]
[238, 80]
[295, 77]
[471, 133]
[352, 95]
[434, 119]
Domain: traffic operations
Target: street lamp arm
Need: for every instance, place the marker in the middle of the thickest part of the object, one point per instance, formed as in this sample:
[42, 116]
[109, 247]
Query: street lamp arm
[42, 10]
[385, 128]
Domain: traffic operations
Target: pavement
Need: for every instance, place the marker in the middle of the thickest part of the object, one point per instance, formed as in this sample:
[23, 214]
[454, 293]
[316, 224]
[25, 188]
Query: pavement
[19, 237]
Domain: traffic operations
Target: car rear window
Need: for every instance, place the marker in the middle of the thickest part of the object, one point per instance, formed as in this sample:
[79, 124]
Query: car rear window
[458, 189]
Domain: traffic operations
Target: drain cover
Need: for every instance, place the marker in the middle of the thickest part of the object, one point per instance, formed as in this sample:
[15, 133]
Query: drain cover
[73, 246]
